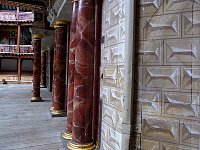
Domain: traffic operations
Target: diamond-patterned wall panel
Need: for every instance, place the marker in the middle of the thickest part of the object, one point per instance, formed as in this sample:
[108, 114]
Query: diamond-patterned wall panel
[182, 51]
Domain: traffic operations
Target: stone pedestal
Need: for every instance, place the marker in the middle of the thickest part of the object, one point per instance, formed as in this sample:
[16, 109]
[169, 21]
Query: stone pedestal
[36, 68]
[70, 90]
[83, 78]
[43, 69]
[59, 70]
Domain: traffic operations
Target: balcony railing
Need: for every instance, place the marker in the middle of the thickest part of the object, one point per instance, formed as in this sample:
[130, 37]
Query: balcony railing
[13, 48]
[12, 16]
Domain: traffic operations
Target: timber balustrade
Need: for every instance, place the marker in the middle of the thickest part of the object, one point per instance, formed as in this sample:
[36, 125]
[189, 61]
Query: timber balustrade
[4, 48]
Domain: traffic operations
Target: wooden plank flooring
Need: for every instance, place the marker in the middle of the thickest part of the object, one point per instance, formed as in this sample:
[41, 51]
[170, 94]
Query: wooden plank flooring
[25, 125]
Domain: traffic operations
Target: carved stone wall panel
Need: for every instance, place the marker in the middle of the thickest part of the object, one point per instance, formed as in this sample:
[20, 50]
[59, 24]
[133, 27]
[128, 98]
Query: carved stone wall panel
[117, 53]
[112, 36]
[104, 131]
[116, 98]
[190, 133]
[182, 51]
[190, 79]
[122, 32]
[149, 145]
[120, 76]
[148, 8]
[181, 105]
[169, 146]
[162, 78]
[150, 102]
[150, 52]
[106, 59]
[160, 129]
[110, 76]
[162, 27]
[174, 6]
[105, 146]
[112, 17]
[114, 138]
[111, 116]
[191, 24]
[110, 4]
[105, 94]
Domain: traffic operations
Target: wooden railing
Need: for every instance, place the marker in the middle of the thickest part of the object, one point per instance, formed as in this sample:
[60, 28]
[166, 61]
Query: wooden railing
[12, 16]
[13, 48]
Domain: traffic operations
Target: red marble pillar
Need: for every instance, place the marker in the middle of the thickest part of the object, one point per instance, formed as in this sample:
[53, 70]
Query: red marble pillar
[36, 68]
[59, 70]
[43, 69]
[83, 78]
[70, 91]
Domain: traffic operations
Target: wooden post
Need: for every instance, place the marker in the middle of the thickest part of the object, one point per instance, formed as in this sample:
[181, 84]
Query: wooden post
[18, 32]
[19, 69]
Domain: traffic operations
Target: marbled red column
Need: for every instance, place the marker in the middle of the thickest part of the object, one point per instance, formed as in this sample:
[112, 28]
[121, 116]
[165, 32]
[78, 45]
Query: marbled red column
[43, 69]
[36, 68]
[83, 77]
[70, 91]
[59, 69]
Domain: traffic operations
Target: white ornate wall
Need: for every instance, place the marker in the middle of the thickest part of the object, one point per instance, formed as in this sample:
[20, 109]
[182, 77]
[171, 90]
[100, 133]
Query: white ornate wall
[116, 122]
[168, 60]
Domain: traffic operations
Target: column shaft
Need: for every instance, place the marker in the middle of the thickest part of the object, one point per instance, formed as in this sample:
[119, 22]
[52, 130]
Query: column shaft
[43, 69]
[36, 68]
[59, 69]
[83, 77]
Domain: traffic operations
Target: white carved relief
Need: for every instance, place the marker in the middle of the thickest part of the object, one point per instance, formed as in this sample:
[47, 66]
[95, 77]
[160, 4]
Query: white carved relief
[116, 98]
[160, 130]
[104, 131]
[117, 53]
[106, 56]
[120, 76]
[150, 7]
[166, 26]
[111, 3]
[105, 94]
[170, 146]
[122, 32]
[151, 102]
[149, 145]
[183, 51]
[115, 139]
[191, 79]
[122, 10]
[110, 76]
[190, 134]
[112, 36]
[162, 77]
[180, 5]
[181, 105]
[191, 24]
[150, 52]
[105, 146]
[110, 115]
[112, 17]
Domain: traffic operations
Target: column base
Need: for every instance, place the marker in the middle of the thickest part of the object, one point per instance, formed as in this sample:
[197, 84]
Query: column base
[58, 113]
[36, 99]
[43, 86]
[75, 146]
[67, 136]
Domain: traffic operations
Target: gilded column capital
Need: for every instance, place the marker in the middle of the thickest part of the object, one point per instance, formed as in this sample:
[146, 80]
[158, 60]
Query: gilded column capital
[36, 36]
[61, 23]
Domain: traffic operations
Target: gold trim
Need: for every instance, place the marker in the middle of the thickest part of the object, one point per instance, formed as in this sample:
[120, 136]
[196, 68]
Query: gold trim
[43, 86]
[51, 108]
[58, 112]
[74, 1]
[73, 146]
[36, 98]
[67, 136]
[37, 36]
[61, 23]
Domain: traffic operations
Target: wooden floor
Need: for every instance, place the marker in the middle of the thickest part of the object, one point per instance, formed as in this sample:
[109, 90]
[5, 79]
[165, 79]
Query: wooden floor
[25, 125]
